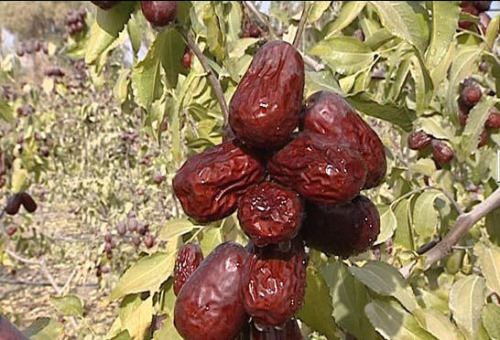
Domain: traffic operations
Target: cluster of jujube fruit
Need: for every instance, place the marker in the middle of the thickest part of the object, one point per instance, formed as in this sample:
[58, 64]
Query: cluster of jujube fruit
[16, 200]
[32, 47]
[75, 22]
[294, 174]
[476, 8]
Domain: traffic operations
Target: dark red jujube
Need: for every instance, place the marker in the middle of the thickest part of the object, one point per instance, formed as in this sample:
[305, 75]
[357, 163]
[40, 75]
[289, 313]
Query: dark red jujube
[290, 331]
[160, 13]
[189, 258]
[419, 140]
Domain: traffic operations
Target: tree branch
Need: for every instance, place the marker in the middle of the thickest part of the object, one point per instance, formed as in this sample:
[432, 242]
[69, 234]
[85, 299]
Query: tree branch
[260, 18]
[302, 24]
[313, 63]
[463, 224]
[211, 75]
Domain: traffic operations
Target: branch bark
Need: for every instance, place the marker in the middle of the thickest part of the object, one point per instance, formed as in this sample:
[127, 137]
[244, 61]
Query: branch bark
[463, 224]
[260, 18]
[211, 76]
[302, 24]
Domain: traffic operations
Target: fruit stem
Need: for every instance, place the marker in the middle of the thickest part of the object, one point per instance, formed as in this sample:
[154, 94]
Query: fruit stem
[211, 76]
[302, 24]
[260, 18]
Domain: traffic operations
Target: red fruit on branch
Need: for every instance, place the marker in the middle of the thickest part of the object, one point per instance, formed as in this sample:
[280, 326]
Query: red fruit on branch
[274, 283]
[122, 230]
[105, 5]
[187, 59]
[188, 260]
[482, 6]
[13, 204]
[419, 140]
[471, 94]
[330, 115]
[28, 202]
[266, 106]
[463, 114]
[468, 7]
[493, 121]
[483, 138]
[441, 152]
[209, 306]
[149, 241]
[107, 238]
[209, 183]
[290, 331]
[270, 213]
[319, 169]
[160, 13]
[343, 229]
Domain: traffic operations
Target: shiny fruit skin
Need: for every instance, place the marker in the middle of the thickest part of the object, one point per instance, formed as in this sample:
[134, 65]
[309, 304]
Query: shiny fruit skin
[493, 121]
[266, 106]
[470, 95]
[290, 331]
[330, 115]
[270, 213]
[13, 204]
[28, 202]
[160, 13]
[209, 306]
[188, 260]
[319, 169]
[274, 283]
[441, 152]
[419, 140]
[208, 184]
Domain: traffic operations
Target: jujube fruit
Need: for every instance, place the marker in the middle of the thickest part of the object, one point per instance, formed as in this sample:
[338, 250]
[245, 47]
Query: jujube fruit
[463, 114]
[188, 260]
[482, 6]
[11, 230]
[270, 213]
[441, 152]
[274, 283]
[319, 169]
[209, 306]
[419, 140]
[149, 241]
[28, 202]
[13, 204]
[266, 106]
[493, 121]
[483, 138]
[105, 5]
[471, 9]
[342, 229]
[208, 183]
[470, 95]
[160, 13]
[290, 331]
[330, 115]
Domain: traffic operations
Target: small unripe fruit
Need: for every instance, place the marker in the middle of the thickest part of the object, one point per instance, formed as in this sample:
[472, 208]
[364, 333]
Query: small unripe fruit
[44, 151]
[160, 13]
[122, 230]
[186, 59]
[142, 229]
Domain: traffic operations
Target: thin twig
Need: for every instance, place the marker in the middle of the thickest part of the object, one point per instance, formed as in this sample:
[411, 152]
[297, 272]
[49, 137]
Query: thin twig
[260, 18]
[20, 258]
[450, 198]
[313, 63]
[302, 24]
[42, 283]
[211, 75]
[463, 224]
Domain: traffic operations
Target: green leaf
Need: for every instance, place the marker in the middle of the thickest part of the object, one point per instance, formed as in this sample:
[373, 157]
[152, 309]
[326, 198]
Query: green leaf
[400, 79]
[464, 64]
[345, 55]
[210, 239]
[121, 87]
[136, 316]
[490, 316]
[467, 297]
[123, 335]
[425, 216]
[176, 227]
[19, 179]
[233, 18]
[317, 309]
[406, 20]
[106, 29]
[44, 329]
[388, 224]
[348, 13]
[316, 10]
[6, 113]
[403, 235]
[385, 280]
[444, 25]
[387, 110]
[322, 80]
[148, 273]
[489, 259]
[216, 35]
[437, 324]
[492, 223]
[135, 34]
[492, 31]
[393, 322]
[349, 298]
[167, 331]
[69, 305]
[423, 83]
[424, 166]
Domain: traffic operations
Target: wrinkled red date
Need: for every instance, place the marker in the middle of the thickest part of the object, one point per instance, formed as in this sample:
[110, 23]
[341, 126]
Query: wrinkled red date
[209, 306]
[266, 106]
[471, 93]
[270, 213]
[274, 283]
[188, 260]
[318, 168]
[493, 121]
[290, 331]
[208, 183]
[419, 140]
[28, 202]
[441, 152]
[13, 204]
[160, 13]
[329, 114]
[343, 230]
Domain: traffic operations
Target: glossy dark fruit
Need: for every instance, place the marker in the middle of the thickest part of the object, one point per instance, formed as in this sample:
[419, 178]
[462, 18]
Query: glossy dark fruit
[136, 240]
[10, 332]
[11, 230]
[330, 115]
[441, 152]
[132, 224]
[142, 229]
[493, 121]
[319, 169]
[188, 260]
[209, 306]
[266, 106]
[13, 204]
[160, 13]
[343, 229]
[208, 184]
[483, 138]
[274, 283]
[419, 140]
[270, 213]
[471, 9]
[482, 6]
[187, 58]
[251, 30]
[463, 114]
[28, 202]
[149, 241]
[121, 228]
[290, 331]
[105, 5]
[470, 95]
[484, 22]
